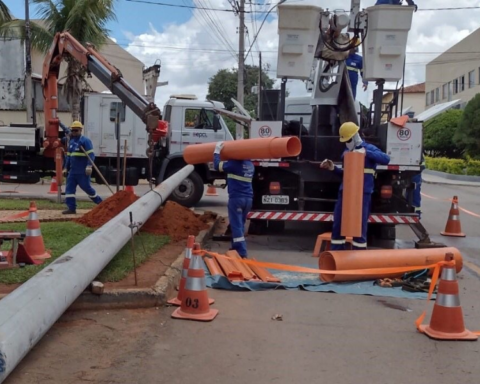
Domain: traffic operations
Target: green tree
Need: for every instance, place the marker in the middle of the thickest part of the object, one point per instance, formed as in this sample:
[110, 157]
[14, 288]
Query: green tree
[438, 133]
[468, 132]
[223, 86]
[85, 19]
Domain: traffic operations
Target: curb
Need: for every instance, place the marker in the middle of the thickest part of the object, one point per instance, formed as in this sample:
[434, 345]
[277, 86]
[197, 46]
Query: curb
[140, 297]
[460, 184]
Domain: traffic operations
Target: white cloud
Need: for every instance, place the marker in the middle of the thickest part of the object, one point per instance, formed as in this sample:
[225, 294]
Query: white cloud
[188, 70]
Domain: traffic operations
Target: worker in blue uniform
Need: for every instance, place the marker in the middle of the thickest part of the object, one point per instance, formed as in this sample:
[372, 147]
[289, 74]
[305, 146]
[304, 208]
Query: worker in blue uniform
[373, 156]
[355, 67]
[417, 191]
[240, 195]
[396, 2]
[78, 168]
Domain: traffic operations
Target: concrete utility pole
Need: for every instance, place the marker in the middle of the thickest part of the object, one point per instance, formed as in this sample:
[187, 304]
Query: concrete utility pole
[259, 108]
[241, 63]
[28, 66]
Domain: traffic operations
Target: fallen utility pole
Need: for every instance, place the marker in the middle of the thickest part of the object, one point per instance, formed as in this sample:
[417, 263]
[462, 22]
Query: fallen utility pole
[27, 313]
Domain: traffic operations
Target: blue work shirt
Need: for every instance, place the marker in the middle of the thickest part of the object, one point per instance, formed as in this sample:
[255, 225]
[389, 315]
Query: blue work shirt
[239, 176]
[76, 159]
[388, 2]
[355, 66]
[373, 157]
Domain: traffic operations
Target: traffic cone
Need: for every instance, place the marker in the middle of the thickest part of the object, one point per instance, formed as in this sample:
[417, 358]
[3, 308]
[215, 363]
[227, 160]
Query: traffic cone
[129, 188]
[211, 191]
[447, 317]
[195, 301]
[453, 227]
[53, 187]
[33, 240]
[186, 263]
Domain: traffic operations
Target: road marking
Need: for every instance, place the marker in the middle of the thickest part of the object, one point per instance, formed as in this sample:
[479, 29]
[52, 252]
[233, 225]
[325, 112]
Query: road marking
[472, 266]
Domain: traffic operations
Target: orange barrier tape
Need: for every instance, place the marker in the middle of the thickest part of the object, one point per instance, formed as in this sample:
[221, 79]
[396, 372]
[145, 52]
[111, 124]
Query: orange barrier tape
[450, 200]
[16, 216]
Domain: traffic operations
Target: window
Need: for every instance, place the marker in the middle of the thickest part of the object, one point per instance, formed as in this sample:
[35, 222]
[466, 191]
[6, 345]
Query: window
[427, 99]
[113, 111]
[461, 85]
[444, 91]
[432, 97]
[471, 79]
[450, 91]
[437, 94]
[455, 86]
[198, 119]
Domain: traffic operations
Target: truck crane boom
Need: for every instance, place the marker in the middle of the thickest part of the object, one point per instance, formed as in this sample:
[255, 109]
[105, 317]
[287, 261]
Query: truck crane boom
[66, 46]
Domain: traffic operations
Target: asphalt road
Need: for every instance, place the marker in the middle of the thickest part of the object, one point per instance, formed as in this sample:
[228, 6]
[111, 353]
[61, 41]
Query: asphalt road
[324, 337]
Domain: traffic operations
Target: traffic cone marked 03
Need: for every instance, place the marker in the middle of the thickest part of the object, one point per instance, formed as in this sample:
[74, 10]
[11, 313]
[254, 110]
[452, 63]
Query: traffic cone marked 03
[186, 263]
[33, 240]
[195, 301]
[447, 317]
[453, 227]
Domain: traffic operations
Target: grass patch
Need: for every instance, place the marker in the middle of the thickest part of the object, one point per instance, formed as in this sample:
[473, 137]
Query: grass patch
[23, 204]
[60, 237]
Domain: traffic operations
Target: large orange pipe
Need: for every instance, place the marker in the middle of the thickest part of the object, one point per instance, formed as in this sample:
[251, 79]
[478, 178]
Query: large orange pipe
[382, 258]
[353, 170]
[270, 148]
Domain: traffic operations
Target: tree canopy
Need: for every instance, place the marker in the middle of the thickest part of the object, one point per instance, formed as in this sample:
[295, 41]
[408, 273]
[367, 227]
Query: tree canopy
[438, 133]
[468, 132]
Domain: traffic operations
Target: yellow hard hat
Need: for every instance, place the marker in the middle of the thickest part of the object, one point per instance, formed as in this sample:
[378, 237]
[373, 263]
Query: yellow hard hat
[77, 124]
[347, 131]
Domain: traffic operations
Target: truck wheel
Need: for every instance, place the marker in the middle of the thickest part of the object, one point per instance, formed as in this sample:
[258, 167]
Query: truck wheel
[257, 227]
[276, 226]
[190, 190]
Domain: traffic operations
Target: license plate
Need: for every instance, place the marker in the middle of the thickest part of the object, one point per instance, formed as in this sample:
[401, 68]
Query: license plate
[280, 199]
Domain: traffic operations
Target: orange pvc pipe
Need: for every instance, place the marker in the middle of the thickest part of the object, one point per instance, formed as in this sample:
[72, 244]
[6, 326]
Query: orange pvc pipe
[353, 170]
[239, 266]
[229, 269]
[381, 258]
[270, 148]
[264, 275]
[213, 266]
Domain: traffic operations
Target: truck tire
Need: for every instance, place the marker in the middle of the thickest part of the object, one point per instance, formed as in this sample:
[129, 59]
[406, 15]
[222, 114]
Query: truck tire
[190, 190]
[257, 227]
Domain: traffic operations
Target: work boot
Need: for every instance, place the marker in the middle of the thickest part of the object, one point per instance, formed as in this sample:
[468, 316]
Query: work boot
[69, 212]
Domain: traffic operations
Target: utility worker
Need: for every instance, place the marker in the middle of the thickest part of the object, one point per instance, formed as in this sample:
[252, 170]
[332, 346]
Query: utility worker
[240, 195]
[78, 168]
[417, 195]
[355, 66]
[373, 156]
[396, 2]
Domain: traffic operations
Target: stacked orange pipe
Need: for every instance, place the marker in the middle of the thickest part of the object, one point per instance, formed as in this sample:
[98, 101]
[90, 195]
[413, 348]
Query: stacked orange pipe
[382, 258]
[270, 148]
[352, 206]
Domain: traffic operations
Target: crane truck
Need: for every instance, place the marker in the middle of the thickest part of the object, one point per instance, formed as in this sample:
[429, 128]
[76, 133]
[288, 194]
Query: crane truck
[29, 152]
[296, 189]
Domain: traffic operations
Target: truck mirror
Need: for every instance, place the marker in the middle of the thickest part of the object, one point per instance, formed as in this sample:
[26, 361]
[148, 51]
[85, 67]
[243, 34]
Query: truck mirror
[216, 123]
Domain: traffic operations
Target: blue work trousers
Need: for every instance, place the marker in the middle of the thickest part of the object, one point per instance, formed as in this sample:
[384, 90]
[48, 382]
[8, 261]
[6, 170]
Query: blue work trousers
[417, 196]
[238, 208]
[83, 181]
[338, 241]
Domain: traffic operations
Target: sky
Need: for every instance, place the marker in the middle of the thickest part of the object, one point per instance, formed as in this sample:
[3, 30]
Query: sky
[193, 44]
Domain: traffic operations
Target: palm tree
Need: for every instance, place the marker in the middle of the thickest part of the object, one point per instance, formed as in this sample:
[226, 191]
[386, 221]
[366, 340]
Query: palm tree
[5, 14]
[85, 19]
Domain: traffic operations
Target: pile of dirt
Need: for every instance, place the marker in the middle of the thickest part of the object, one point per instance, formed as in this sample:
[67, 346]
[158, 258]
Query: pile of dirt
[107, 209]
[175, 221]
[172, 219]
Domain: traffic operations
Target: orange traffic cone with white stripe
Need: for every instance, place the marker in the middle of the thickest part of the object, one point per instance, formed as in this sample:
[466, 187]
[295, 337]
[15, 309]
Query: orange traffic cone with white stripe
[186, 263]
[211, 191]
[34, 240]
[53, 187]
[129, 188]
[453, 227]
[447, 317]
[195, 301]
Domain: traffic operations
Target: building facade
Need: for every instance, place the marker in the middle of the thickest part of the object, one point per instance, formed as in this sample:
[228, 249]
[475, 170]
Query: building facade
[12, 80]
[455, 74]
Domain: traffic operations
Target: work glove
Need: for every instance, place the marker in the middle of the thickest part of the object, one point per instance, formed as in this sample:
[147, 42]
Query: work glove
[88, 171]
[365, 86]
[64, 172]
[218, 147]
[359, 150]
[327, 164]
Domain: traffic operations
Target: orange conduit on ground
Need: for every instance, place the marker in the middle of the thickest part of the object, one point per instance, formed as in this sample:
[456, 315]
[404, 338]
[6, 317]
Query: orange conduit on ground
[382, 258]
[271, 148]
[353, 171]
[213, 266]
